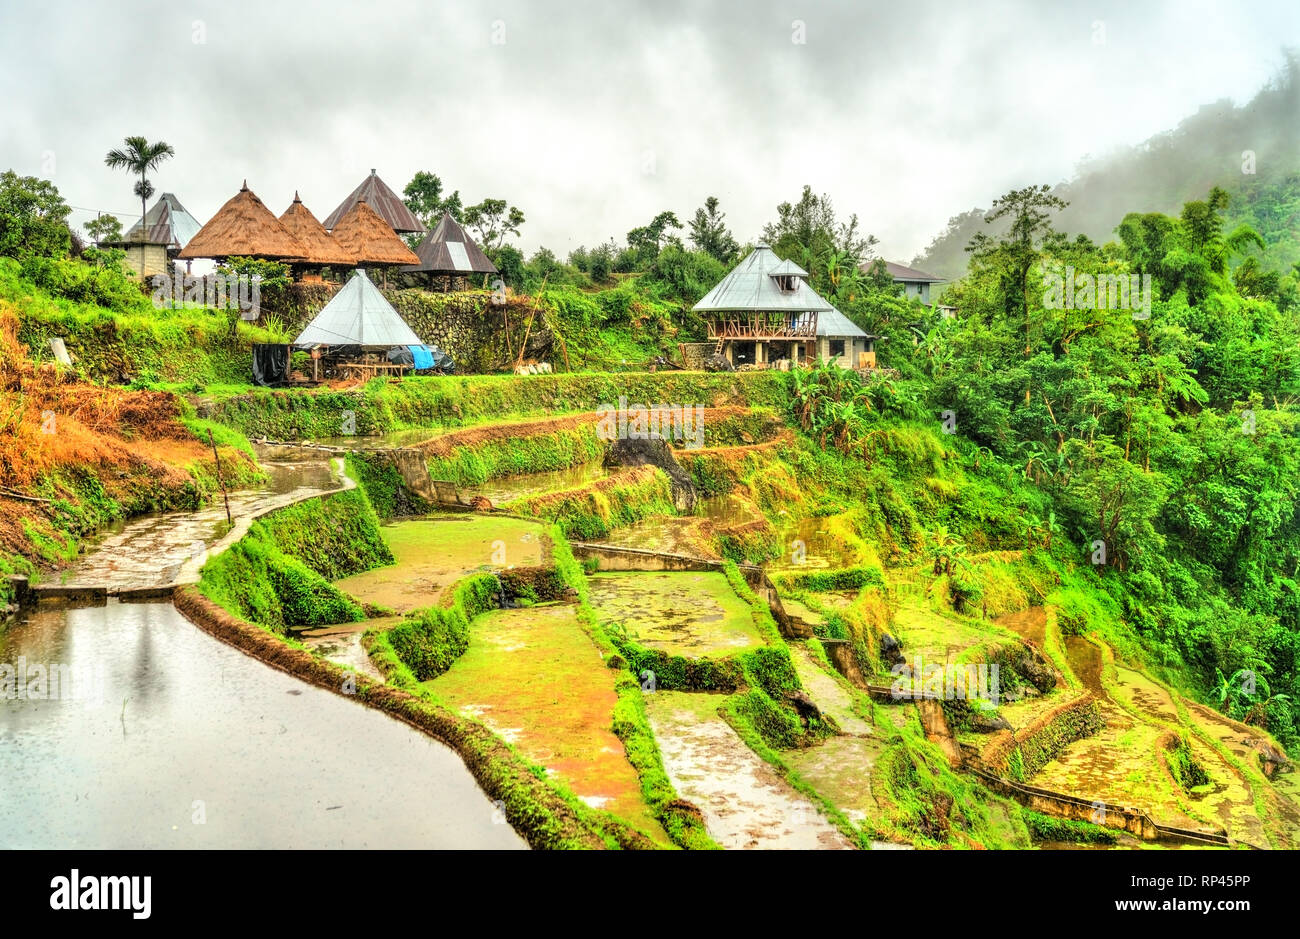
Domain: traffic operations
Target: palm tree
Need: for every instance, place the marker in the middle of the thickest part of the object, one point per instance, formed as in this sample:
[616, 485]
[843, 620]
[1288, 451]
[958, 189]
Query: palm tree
[140, 156]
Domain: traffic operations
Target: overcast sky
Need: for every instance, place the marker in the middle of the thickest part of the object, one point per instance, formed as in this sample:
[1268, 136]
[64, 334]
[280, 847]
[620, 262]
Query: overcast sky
[594, 116]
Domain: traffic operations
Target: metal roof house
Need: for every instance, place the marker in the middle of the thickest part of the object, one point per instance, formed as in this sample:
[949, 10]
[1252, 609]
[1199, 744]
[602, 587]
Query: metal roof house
[387, 204]
[915, 283]
[358, 315]
[449, 252]
[839, 340]
[764, 311]
[168, 227]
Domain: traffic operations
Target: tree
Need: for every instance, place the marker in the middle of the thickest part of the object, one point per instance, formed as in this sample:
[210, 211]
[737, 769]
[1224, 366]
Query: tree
[809, 233]
[33, 218]
[1016, 252]
[103, 228]
[492, 220]
[709, 232]
[648, 240]
[424, 197]
[140, 156]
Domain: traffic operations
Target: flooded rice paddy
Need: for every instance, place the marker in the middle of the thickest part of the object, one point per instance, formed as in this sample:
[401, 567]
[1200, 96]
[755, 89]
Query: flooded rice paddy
[171, 739]
[432, 554]
[691, 614]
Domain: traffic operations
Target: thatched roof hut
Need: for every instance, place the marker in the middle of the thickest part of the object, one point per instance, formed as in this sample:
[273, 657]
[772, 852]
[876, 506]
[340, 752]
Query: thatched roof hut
[376, 193]
[322, 250]
[368, 238]
[448, 250]
[244, 227]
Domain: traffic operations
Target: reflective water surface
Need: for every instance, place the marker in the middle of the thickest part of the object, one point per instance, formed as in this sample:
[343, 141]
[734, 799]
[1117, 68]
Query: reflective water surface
[165, 737]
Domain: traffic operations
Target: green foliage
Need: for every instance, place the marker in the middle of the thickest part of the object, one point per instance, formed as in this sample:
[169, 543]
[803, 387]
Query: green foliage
[430, 640]
[279, 574]
[33, 218]
[1047, 828]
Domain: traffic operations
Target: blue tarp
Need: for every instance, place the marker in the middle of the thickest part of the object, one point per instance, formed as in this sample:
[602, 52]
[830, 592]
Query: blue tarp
[422, 355]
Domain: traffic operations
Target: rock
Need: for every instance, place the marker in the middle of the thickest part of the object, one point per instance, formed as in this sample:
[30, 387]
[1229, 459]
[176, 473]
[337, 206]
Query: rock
[891, 650]
[654, 452]
[987, 722]
[717, 363]
[805, 705]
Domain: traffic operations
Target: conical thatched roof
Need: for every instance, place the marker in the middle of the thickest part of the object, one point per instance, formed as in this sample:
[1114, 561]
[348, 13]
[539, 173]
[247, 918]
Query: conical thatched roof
[321, 248]
[358, 316]
[244, 227]
[368, 238]
[448, 250]
[379, 196]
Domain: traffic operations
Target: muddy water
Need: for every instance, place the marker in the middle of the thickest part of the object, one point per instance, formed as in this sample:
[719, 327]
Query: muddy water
[744, 802]
[183, 742]
[501, 491]
[150, 550]
[432, 554]
[687, 534]
[342, 644]
[692, 614]
[392, 440]
[820, 550]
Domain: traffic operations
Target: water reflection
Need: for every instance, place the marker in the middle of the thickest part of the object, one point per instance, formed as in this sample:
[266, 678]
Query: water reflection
[181, 727]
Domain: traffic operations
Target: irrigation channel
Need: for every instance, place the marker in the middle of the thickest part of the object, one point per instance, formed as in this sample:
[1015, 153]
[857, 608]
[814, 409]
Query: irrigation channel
[172, 738]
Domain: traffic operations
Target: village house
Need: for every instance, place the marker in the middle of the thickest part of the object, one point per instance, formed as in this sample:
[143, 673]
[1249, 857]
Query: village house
[150, 250]
[321, 249]
[916, 284]
[764, 312]
[387, 204]
[244, 227]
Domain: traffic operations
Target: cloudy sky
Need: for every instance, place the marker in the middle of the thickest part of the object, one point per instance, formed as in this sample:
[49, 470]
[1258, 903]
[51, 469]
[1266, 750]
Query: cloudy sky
[594, 116]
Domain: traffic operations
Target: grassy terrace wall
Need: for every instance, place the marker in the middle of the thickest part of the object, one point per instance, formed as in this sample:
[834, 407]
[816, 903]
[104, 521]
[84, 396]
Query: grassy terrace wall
[279, 574]
[591, 512]
[454, 401]
[1020, 757]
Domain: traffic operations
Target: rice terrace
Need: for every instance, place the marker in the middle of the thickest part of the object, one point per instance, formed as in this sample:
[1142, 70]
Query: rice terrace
[338, 511]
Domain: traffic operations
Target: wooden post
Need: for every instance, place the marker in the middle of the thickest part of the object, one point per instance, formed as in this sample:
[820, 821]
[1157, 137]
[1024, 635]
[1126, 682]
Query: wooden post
[220, 481]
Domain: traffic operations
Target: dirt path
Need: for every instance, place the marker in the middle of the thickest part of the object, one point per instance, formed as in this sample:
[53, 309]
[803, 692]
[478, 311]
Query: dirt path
[829, 695]
[745, 803]
[151, 551]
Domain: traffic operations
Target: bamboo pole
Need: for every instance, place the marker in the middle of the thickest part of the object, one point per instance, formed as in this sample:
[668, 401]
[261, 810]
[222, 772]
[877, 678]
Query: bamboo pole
[220, 482]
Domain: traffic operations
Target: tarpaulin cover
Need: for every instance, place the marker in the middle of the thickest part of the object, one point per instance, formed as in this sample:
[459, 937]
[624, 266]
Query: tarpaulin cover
[423, 357]
[270, 363]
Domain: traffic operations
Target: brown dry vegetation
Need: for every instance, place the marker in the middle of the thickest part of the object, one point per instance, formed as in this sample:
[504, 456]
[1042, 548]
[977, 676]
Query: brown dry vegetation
[54, 428]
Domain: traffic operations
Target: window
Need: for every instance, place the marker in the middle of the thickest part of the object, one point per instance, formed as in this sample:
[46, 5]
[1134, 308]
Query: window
[837, 347]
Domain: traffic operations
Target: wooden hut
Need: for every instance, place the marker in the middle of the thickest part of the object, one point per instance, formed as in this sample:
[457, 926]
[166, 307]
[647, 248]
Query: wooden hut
[387, 204]
[244, 227]
[371, 240]
[321, 249]
[450, 255]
